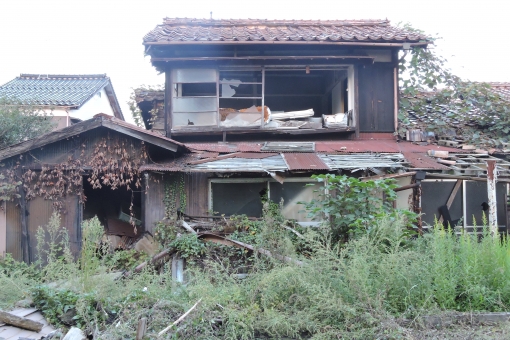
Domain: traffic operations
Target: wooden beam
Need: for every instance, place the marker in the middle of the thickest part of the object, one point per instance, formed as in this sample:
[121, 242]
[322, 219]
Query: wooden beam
[451, 197]
[168, 101]
[14, 320]
[335, 57]
[336, 43]
[145, 136]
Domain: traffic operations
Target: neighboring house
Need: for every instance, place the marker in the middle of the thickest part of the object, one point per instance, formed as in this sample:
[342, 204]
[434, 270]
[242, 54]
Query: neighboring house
[253, 109]
[70, 98]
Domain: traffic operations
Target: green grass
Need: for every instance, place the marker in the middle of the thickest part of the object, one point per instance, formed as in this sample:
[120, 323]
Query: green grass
[348, 290]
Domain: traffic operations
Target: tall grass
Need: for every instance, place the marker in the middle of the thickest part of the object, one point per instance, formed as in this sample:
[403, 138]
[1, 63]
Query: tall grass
[344, 290]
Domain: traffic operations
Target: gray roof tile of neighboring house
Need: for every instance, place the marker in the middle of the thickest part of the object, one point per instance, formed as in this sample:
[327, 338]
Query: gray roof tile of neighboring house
[175, 30]
[71, 90]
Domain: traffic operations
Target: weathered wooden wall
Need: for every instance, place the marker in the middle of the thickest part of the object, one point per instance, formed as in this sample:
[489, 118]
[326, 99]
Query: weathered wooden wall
[197, 194]
[376, 98]
[13, 231]
[153, 206]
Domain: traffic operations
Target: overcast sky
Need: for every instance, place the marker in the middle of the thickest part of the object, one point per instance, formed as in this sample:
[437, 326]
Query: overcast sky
[92, 36]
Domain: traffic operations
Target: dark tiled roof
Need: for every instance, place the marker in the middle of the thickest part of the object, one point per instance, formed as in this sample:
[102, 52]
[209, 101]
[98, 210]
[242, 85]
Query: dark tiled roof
[54, 90]
[175, 30]
[503, 89]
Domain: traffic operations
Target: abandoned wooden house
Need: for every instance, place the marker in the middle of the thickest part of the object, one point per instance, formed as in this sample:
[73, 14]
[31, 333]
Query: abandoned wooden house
[249, 108]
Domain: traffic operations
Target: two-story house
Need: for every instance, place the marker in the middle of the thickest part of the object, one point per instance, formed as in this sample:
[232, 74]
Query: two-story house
[250, 109]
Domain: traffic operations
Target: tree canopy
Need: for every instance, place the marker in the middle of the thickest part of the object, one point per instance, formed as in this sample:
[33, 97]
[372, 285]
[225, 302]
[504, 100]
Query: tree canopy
[21, 122]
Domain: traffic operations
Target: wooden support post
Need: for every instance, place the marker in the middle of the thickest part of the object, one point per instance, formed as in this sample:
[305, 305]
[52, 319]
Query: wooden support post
[25, 237]
[142, 328]
[491, 194]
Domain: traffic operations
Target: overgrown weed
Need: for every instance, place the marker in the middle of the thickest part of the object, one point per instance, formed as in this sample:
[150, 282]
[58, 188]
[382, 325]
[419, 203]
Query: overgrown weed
[340, 290]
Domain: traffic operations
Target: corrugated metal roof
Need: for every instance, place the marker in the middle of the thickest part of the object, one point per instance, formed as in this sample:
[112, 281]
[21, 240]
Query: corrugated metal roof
[269, 164]
[54, 90]
[341, 146]
[420, 160]
[294, 31]
[363, 161]
[304, 161]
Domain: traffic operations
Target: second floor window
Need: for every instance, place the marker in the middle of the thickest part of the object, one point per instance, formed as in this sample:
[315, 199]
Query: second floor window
[262, 97]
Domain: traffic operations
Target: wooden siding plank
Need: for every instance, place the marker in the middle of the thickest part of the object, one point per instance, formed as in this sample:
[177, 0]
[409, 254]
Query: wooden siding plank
[376, 96]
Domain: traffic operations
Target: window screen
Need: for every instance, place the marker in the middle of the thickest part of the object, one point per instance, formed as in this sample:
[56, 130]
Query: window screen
[292, 193]
[238, 198]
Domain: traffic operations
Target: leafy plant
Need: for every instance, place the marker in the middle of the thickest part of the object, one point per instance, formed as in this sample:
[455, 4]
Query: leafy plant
[21, 121]
[189, 246]
[474, 111]
[350, 205]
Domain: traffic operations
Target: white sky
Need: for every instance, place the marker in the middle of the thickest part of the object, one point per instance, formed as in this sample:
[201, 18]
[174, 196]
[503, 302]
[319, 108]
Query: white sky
[92, 36]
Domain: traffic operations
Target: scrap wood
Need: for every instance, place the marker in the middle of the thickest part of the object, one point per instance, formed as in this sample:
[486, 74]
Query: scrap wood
[182, 317]
[452, 197]
[164, 253]
[186, 226]
[229, 242]
[20, 322]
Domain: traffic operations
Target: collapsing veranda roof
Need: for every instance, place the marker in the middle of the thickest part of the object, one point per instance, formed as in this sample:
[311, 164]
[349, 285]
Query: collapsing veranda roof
[270, 157]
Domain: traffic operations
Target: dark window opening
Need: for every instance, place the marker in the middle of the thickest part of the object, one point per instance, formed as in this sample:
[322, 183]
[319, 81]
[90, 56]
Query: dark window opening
[112, 208]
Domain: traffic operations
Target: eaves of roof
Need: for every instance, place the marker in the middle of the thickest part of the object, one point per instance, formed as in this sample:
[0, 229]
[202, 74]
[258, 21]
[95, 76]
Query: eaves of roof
[252, 31]
[101, 120]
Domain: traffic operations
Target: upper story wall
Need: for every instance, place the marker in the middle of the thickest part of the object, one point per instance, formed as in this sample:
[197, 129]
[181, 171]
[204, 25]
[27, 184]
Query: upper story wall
[328, 90]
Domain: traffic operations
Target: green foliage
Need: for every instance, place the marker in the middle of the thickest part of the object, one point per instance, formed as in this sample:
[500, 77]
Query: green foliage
[350, 205]
[473, 110]
[136, 113]
[91, 250]
[54, 256]
[188, 246]
[21, 122]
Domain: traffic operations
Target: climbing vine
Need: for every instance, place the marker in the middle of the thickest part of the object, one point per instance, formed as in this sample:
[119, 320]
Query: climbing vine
[445, 104]
[111, 162]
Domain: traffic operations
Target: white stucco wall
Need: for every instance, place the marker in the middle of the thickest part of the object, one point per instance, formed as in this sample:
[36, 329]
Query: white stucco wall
[97, 104]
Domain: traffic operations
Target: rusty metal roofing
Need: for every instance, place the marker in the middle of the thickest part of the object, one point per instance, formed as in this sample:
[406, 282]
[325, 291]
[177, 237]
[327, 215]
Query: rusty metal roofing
[304, 161]
[182, 30]
[341, 146]
[420, 160]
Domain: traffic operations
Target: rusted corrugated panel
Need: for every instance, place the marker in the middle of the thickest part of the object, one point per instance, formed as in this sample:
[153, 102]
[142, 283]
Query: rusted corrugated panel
[304, 161]
[13, 231]
[421, 160]
[254, 155]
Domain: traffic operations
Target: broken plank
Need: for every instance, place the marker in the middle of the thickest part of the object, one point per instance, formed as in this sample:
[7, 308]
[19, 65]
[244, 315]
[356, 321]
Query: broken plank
[186, 226]
[20, 322]
[452, 197]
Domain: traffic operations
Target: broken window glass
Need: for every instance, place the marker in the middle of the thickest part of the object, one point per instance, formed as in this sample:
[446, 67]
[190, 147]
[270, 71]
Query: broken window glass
[292, 193]
[238, 198]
